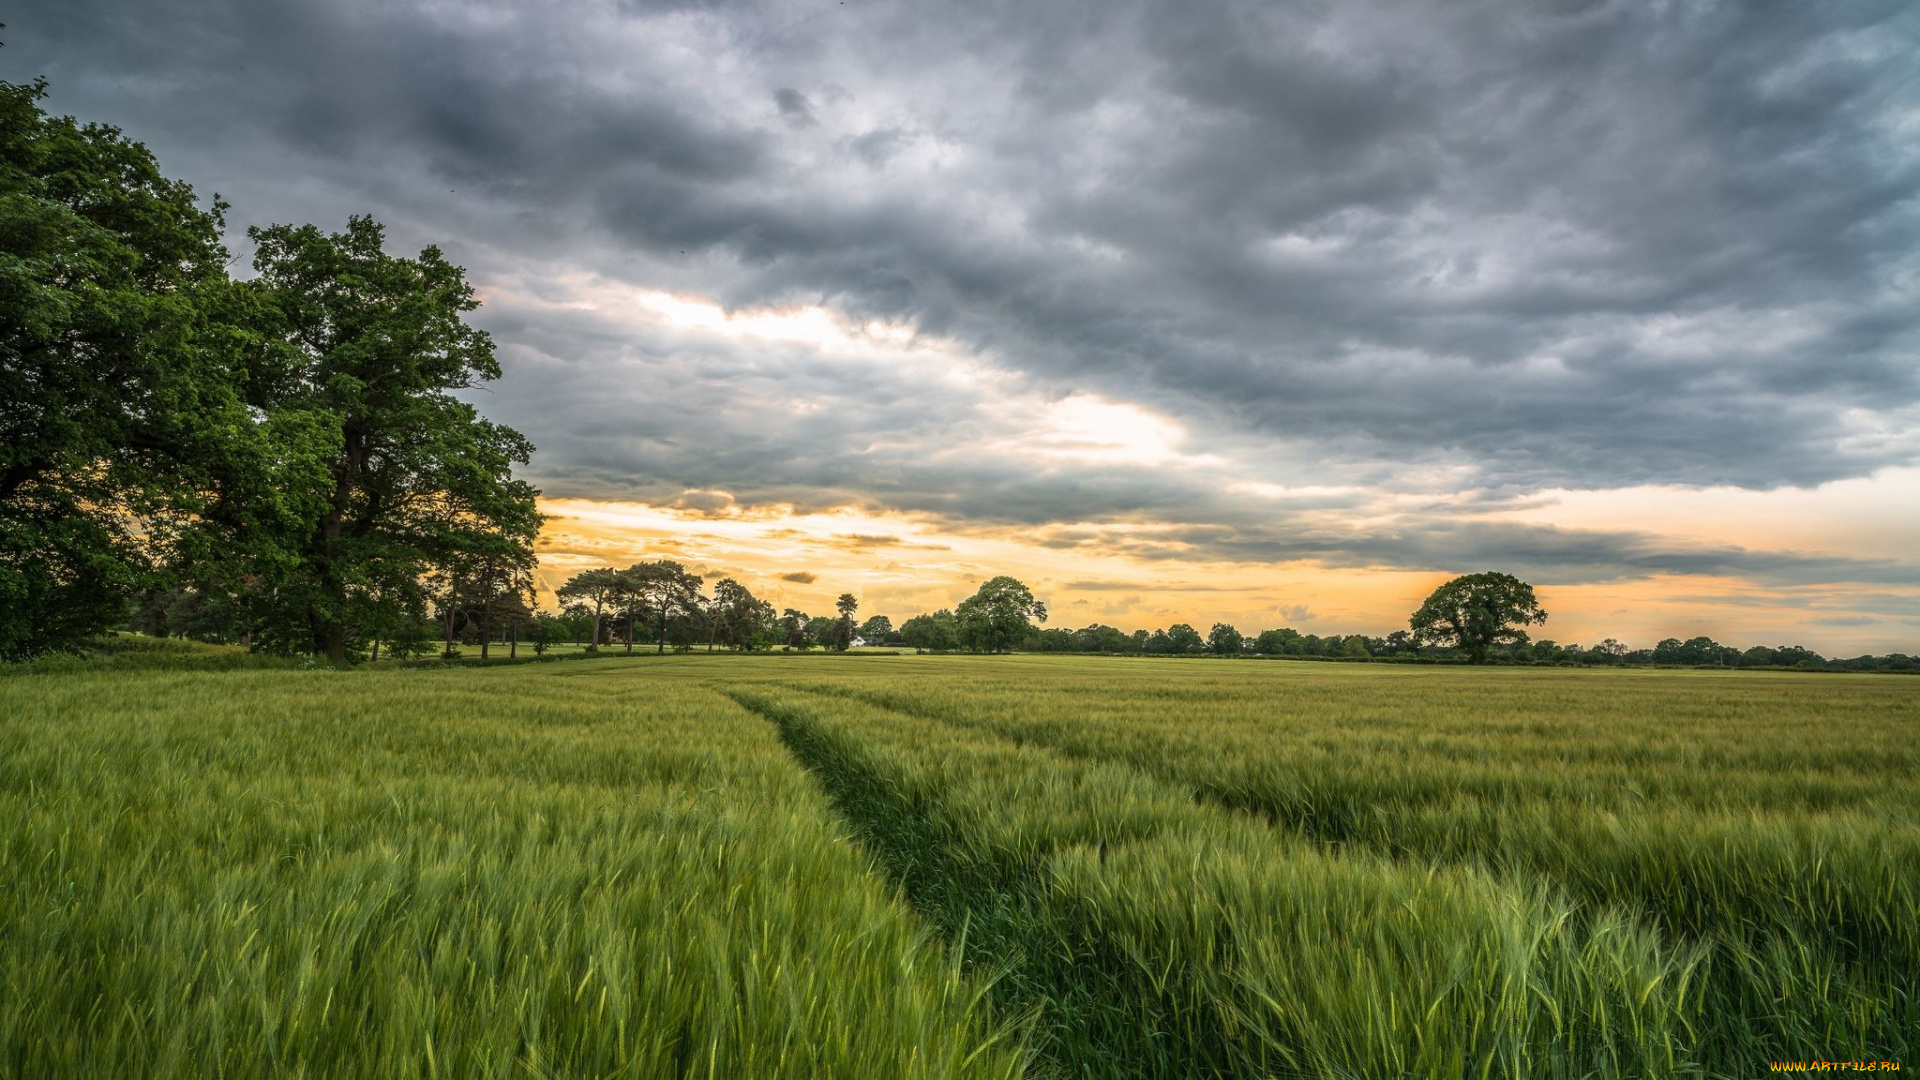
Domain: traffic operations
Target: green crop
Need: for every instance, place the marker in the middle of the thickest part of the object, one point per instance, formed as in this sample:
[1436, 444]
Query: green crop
[955, 867]
[502, 873]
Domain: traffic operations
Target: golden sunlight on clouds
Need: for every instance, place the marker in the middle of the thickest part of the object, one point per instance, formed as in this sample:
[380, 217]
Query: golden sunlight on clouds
[1145, 575]
[900, 565]
[1877, 515]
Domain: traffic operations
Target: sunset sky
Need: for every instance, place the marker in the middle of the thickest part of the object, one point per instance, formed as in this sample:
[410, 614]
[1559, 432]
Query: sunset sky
[1266, 313]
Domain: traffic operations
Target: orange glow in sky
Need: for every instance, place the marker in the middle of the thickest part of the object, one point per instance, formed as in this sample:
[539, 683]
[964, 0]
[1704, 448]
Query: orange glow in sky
[900, 565]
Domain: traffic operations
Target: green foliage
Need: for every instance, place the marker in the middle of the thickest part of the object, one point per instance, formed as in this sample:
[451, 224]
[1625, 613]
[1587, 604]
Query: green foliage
[742, 621]
[595, 589]
[937, 631]
[1696, 652]
[794, 626]
[656, 595]
[206, 613]
[999, 616]
[287, 444]
[1475, 612]
[368, 346]
[1224, 640]
[132, 652]
[113, 396]
[840, 635]
[1182, 639]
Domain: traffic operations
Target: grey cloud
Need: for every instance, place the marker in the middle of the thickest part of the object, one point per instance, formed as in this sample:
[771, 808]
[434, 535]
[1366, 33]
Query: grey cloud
[1578, 244]
[744, 421]
[1814, 599]
[1562, 556]
[794, 107]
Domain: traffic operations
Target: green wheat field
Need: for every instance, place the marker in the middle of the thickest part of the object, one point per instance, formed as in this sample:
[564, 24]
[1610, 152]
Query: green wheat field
[983, 867]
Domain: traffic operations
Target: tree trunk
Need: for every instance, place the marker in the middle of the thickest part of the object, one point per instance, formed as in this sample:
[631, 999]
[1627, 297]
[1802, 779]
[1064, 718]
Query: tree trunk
[448, 651]
[660, 633]
[629, 631]
[331, 633]
[513, 642]
[375, 658]
[486, 610]
[596, 624]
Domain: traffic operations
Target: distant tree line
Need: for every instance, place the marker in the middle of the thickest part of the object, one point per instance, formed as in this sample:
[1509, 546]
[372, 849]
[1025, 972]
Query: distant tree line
[1478, 618]
[278, 462]
[663, 605]
[1288, 643]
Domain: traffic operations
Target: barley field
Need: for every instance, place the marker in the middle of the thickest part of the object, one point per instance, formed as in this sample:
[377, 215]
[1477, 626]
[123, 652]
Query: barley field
[900, 866]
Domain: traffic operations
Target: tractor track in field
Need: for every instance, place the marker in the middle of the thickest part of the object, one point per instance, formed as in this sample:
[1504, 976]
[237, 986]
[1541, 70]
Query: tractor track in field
[1093, 1012]
[1332, 840]
[1734, 951]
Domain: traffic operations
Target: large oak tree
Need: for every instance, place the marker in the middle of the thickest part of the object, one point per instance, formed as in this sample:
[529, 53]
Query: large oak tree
[999, 616]
[121, 419]
[370, 347]
[1475, 612]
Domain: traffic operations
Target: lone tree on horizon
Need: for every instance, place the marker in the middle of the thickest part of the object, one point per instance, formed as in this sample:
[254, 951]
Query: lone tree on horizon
[998, 617]
[1475, 612]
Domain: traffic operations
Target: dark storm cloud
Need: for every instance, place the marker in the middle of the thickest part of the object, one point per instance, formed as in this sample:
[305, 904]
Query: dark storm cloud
[794, 107]
[1517, 246]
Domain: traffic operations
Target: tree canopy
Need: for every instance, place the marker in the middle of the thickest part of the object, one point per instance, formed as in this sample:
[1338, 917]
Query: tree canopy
[936, 631]
[659, 592]
[368, 346]
[282, 454]
[739, 620]
[593, 590]
[1475, 612]
[840, 637]
[1224, 640]
[115, 395]
[999, 616]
